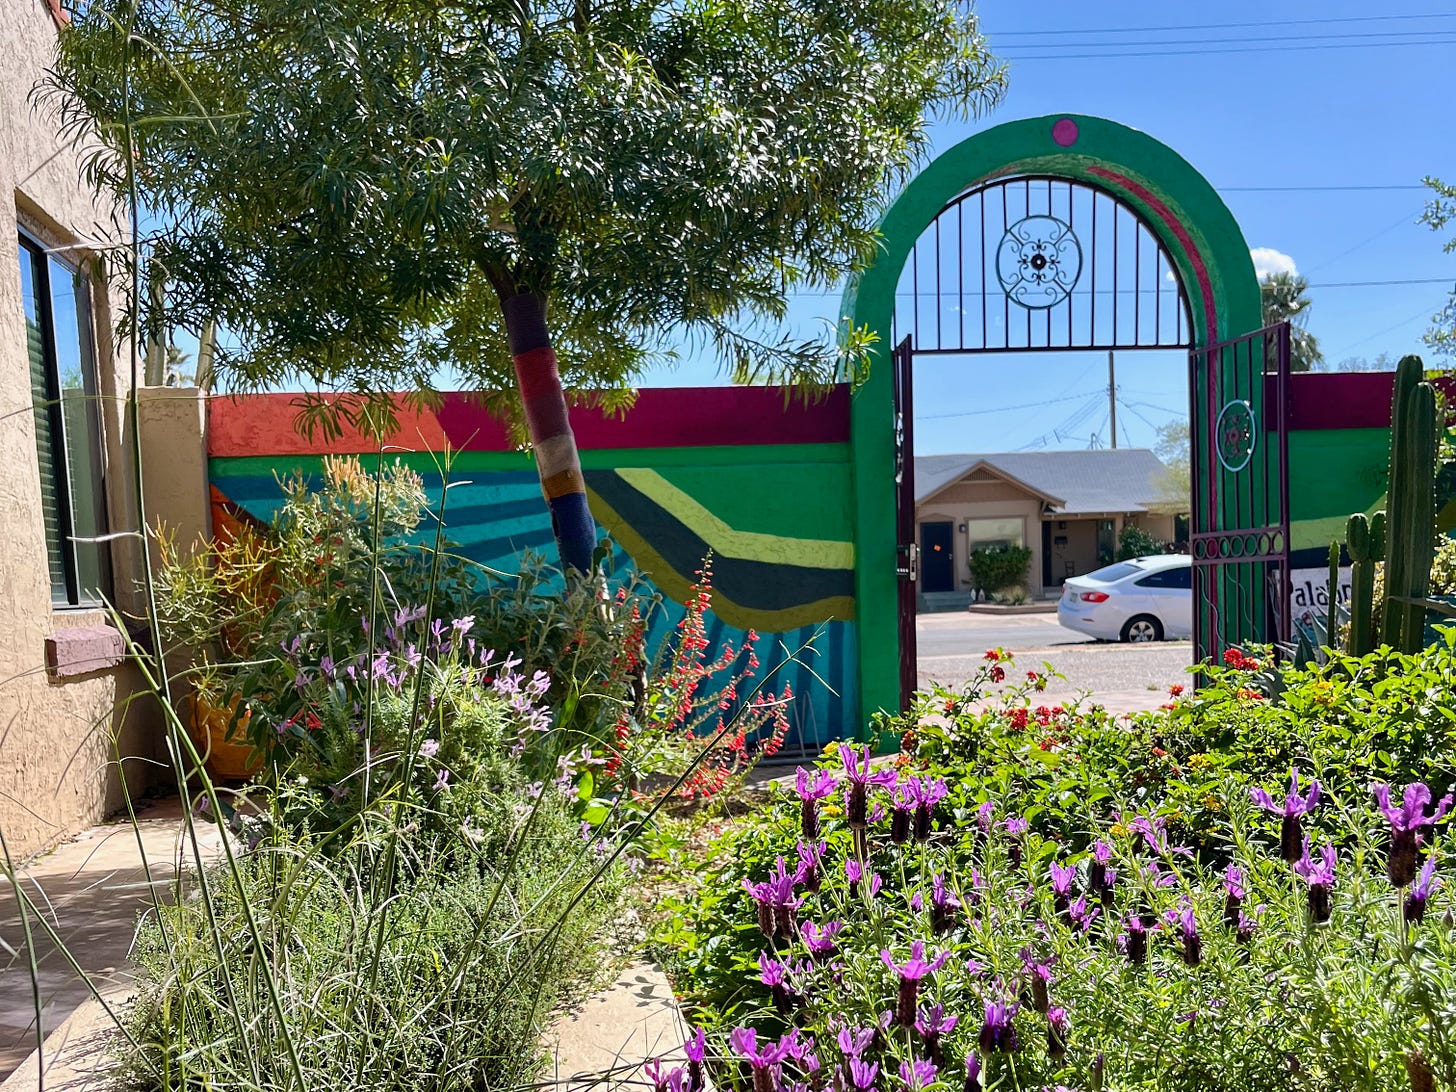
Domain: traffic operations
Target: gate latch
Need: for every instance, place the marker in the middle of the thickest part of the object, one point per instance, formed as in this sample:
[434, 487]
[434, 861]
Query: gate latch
[908, 567]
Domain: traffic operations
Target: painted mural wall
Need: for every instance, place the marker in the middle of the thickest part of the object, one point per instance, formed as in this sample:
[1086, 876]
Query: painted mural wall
[758, 479]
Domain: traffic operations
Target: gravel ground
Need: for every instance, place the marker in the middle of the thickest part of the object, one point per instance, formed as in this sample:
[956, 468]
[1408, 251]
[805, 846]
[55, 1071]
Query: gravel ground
[1122, 677]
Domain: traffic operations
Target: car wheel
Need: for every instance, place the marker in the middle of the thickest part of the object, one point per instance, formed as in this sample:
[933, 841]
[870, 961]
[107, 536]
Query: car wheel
[1142, 628]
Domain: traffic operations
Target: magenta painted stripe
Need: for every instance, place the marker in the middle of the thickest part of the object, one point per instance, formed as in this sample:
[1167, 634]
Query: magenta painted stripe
[263, 424]
[1200, 267]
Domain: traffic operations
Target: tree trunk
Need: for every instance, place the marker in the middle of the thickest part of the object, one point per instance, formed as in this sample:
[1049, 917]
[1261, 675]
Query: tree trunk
[544, 401]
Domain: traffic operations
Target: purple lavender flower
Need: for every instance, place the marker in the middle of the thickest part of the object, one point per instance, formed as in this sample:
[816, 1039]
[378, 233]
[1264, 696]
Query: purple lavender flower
[1244, 929]
[776, 901]
[854, 872]
[998, 1031]
[910, 973]
[820, 942]
[811, 857]
[903, 800]
[1320, 876]
[429, 748]
[1182, 919]
[944, 906]
[1420, 894]
[1134, 939]
[1234, 892]
[932, 1023]
[442, 780]
[917, 1074]
[1058, 1024]
[763, 1060]
[859, 775]
[930, 792]
[812, 787]
[1038, 976]
[1016, 828]
[1291, 830]
[696, 1049]
[774, 974]
[862, 1074]
[1153, 829]
[1408, 823]
[973, 1073]
[1100, 878]
[1062, 877]
[1080, 915]
[854, 1042]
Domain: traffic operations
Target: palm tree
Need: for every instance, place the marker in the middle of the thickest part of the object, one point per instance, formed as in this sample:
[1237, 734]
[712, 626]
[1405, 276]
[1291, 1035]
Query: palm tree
[1285, 300]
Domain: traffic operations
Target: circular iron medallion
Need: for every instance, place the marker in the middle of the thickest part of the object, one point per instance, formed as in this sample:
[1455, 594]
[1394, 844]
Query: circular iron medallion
[1235, 435]
[1039, 261]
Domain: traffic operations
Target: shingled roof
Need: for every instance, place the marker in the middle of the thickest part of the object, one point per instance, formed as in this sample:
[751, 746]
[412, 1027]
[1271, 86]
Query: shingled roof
[1072, 482]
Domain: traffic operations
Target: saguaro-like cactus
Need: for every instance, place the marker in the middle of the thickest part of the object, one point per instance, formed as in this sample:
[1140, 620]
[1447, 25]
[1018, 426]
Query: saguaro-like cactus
[1365, 543]
[1410, 508]
[1332, 598]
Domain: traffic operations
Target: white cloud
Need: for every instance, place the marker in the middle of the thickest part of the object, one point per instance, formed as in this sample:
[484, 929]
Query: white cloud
[1267, 260]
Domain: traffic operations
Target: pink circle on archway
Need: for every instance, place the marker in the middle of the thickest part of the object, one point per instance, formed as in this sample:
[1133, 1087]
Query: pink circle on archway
[1065, 132]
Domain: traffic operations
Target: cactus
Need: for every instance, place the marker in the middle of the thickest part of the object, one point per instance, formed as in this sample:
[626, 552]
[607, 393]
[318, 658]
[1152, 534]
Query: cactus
[1365, 543]
[1332, 599]
[1410, 509]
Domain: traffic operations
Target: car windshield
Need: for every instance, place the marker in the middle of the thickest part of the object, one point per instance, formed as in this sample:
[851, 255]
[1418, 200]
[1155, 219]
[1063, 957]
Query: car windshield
[1113, 573]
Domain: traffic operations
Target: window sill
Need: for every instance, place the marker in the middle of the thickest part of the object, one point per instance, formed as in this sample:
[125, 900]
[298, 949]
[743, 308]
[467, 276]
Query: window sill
[82, 644]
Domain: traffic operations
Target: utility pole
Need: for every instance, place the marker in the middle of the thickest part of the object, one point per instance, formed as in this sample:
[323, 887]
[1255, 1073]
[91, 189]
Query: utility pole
[1112, 395]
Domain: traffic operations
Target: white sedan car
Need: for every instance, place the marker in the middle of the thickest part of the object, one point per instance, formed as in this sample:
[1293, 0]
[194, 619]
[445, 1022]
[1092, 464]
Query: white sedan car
[1143, 599]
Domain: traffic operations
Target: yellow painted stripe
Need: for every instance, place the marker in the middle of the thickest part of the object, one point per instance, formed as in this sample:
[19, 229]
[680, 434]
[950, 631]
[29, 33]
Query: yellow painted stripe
[814, 553]
[677, 587]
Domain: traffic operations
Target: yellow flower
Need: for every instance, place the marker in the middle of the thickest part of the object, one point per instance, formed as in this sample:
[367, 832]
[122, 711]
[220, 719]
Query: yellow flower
[1212, 803]
[1119, 830]
[1199, 761]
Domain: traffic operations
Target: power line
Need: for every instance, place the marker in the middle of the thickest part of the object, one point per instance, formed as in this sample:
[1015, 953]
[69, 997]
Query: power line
[1404, 220]
[1382, 284]
[1227, 26]
[1003, 409]
[1288, 48]
[1365, 37]
[1314, 189]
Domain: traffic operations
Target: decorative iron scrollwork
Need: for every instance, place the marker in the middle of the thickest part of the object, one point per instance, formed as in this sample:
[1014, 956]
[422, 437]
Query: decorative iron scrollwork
[1039, 261]
[1235, 435]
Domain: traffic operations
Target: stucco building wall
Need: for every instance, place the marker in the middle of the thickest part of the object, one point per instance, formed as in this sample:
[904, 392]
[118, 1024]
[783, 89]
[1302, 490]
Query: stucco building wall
[60, 737]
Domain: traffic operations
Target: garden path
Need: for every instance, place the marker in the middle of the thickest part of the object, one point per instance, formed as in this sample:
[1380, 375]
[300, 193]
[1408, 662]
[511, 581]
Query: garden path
[91, 888]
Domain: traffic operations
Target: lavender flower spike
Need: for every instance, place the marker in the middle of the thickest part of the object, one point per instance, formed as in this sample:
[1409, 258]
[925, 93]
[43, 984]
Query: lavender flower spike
[812, 787]
[1408, 823]
[763, 1060]
[917, 1074]
[1420, 894]
[1291, 831]
[998, 1032]
[1320, 876]
[911, 972]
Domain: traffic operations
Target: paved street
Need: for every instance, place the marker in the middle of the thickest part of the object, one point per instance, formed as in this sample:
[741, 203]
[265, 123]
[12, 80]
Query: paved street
[1122, 677]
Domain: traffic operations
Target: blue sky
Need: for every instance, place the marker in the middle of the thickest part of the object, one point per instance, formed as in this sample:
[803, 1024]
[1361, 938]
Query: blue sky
[1282, 102]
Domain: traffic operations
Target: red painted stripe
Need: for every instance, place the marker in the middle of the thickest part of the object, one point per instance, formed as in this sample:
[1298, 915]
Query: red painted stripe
[1200, 267]
[263, 424]
[536, 372]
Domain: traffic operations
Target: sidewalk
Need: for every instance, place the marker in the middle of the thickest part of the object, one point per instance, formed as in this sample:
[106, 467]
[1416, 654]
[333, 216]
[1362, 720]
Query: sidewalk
[92, 890]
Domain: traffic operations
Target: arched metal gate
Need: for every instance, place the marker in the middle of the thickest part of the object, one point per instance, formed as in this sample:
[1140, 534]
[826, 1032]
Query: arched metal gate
[1037, 263]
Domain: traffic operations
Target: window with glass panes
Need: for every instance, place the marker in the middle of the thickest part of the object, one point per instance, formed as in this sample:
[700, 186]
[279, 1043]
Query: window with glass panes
[56, 297]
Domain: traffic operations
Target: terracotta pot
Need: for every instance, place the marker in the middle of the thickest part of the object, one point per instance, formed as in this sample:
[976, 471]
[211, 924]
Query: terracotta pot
[226, 759]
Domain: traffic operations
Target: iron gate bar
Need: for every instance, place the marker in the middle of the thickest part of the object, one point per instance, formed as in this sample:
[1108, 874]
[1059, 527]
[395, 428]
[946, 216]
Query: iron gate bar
[1104, 324]
[1239, 538]
[906, 544]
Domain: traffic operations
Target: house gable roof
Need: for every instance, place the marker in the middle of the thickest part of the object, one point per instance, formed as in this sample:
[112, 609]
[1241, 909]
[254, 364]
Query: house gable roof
[1072, 482]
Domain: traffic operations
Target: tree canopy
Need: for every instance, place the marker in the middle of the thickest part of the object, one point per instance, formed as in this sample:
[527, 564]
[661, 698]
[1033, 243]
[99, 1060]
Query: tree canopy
[350, 188]
[1440, 211]
[1285, 299]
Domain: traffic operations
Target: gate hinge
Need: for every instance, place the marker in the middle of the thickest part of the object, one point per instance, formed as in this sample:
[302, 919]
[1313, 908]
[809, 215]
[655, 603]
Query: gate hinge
[908, 567]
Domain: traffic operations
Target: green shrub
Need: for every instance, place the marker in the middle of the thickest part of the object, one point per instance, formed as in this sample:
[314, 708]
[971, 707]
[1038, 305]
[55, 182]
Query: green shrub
[1034, 793]
[1136, 541]
[997, 568]
[446, 980]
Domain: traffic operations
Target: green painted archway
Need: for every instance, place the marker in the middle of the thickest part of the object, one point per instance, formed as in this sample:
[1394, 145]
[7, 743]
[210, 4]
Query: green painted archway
[1176, 202]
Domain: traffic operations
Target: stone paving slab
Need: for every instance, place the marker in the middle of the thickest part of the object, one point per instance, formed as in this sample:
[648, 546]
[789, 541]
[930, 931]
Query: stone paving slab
[607, 1039]
[93, 890]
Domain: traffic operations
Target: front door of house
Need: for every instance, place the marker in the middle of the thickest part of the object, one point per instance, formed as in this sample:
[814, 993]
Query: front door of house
[937, 557]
